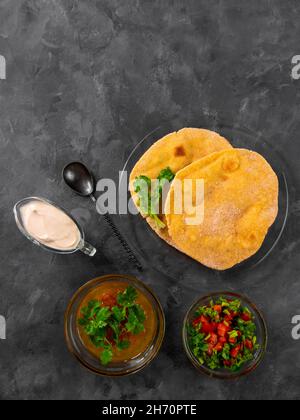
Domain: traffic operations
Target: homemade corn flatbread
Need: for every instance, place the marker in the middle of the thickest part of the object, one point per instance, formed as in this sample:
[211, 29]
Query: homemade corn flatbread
[240, 205]
[175, 151]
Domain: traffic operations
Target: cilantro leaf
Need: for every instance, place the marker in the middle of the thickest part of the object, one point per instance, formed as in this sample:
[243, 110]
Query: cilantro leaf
[139, 312]
[226, 352]
[123, 345]
[118, 313]
[166, 174]
[142, 186]
[102, 316]
[115, 326]
[105, 326]
[106, 356]
[159, 223]
[83, 321]
[98, 339]
[136, 317]
[128, 297]
[150, 193]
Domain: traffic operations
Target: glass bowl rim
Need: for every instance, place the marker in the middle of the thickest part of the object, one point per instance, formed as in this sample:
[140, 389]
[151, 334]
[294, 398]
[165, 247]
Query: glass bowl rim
[216, 373]
[37, 242]
[161, 327]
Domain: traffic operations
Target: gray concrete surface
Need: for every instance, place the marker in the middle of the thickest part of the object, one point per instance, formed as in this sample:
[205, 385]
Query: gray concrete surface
[86, 80]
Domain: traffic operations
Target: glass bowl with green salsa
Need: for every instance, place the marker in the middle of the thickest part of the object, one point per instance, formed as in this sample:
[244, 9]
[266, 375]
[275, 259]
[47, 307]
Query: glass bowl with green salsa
[225, 335]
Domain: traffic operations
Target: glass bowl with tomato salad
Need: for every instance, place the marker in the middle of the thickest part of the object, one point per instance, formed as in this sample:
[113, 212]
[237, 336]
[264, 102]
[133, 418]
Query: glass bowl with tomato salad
[114, 325]
[225, 335]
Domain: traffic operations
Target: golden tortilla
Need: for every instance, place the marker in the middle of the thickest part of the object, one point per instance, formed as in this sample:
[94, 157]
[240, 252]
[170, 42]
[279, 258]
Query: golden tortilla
[176, 151]
[240, 205]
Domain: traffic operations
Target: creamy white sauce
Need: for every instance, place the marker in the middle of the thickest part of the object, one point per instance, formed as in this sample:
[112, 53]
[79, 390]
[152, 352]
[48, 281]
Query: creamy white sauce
[50, 226]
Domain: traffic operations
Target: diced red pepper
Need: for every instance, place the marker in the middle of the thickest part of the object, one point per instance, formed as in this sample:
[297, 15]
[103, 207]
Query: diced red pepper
[219, 347]
[210, 349]
[204, 319]
[206, 328]
[248, 344]
[246, 317]
[235, 351]
[228, 318]
[197, 321]
[232, 340]
[218, 308]
[213, 339]
[214, 326]
[222, 340]
[223, 329]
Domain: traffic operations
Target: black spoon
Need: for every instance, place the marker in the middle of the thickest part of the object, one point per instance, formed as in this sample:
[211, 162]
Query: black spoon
[77, 176]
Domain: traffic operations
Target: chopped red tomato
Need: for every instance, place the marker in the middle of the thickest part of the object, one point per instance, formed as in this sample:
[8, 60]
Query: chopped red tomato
[218, 308]
[210, 349]
[246, 317]
[219, 347]
[108, 299]
[223, 329]
[206, 329]
[222, 340]
[204, 319]
[221, 332]
[248, 344]
[235, 351]
[206, 325]
[230, 317]
[214, 326]
[213, 339]
[197, 321]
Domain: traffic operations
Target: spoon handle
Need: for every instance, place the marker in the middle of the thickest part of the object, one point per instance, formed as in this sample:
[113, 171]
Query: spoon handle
[122, 241]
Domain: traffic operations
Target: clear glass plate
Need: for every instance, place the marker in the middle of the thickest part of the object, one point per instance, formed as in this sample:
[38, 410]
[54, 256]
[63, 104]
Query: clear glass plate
[162, 257]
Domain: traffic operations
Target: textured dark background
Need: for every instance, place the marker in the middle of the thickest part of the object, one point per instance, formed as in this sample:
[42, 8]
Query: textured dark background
[87, 80]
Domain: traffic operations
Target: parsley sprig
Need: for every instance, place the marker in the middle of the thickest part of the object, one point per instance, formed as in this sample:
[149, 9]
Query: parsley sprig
[150, 193]
[107, 326]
